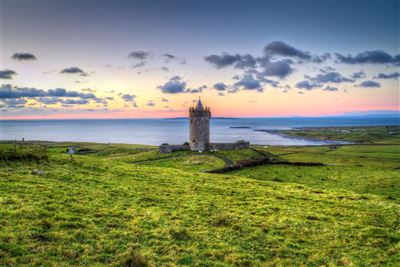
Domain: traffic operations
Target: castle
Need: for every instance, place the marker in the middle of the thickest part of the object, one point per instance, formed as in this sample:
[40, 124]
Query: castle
[199, 120]
[199, 134]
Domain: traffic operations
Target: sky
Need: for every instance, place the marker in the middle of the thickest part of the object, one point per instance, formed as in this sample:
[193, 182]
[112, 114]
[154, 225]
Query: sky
[153, 59]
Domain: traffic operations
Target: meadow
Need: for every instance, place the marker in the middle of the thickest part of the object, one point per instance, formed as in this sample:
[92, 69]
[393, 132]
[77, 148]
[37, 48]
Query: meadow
[358, 134]
[128, 205]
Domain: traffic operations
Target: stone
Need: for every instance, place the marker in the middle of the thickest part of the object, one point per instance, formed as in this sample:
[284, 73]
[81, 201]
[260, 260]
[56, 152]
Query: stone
[71, 150]
[38, 172]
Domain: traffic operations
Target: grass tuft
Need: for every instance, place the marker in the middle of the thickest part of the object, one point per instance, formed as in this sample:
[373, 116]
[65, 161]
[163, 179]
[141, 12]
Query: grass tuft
[135, 259]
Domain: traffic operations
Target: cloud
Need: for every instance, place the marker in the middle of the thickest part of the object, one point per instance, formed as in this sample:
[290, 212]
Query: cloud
[101, 101]
[138, 65]
[248, 82]
[73, 70]
[329, 77]
[307, 85]
[48, 100]
[7, 74]
[60, 92]
[394, 75]
[142, 56]
[127, 97]
[280, 68]
[278, 48]
[271, 82]
[369, 57]
[89, 90]
[319, 80]
[264, 66]
[245, 61]
[369, 84]
[7, 91]
[278, 61]
[222, 61]
[220, 86]
[12, 96]
[150, 103]
[13, 103]
[358, 75]
[174, 86]
[139, 55]
[283, 49]
[330, 88]
[131, 99]
[327, 69]
[197, 90]
[169, 57]
[236, 60]
[321, 58]
[261, 76]
[74, 101]
[23, 56]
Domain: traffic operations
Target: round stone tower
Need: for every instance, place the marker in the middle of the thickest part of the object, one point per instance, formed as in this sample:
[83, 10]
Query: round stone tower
[199, 127]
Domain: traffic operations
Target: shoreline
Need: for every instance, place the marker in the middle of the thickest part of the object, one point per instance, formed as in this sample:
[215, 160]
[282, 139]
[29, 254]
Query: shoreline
[288, 136]
[339, 134]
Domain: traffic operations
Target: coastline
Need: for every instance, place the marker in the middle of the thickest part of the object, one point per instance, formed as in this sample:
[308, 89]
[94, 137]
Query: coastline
[340, 134]
[286, 135]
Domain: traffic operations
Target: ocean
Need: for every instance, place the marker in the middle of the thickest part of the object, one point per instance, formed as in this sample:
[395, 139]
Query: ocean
[175, 131]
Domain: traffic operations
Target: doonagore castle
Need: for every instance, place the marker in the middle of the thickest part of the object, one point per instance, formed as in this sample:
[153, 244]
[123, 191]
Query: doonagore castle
[199, 120]
[199, 134]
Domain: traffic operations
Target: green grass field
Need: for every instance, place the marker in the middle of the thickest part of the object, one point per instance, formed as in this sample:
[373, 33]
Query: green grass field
[357, 134]
[128, 205]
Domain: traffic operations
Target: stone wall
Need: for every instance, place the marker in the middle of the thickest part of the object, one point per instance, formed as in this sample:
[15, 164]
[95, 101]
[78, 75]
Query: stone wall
[166, 148]
[229, 146]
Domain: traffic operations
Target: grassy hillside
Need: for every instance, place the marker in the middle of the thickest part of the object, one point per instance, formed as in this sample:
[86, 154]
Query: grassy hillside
[128, 205]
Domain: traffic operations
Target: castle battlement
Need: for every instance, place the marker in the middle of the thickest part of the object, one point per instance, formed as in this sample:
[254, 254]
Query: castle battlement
[193, 112]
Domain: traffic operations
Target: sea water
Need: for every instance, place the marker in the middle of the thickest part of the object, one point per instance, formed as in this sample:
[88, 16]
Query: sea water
[175, 131]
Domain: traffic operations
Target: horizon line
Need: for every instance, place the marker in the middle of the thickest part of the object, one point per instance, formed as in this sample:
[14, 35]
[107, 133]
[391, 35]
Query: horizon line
[397, 114]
